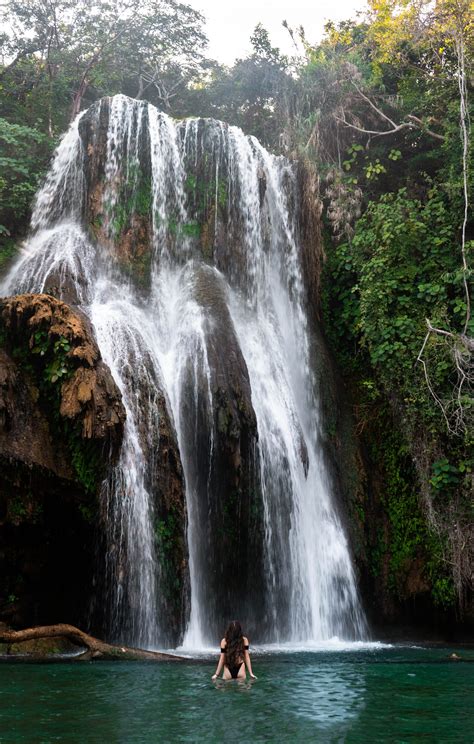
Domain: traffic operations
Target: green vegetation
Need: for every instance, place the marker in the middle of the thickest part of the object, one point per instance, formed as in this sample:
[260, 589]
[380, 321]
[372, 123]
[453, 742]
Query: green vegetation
[46, 361]
[61, 56]
[23, 154]
[23, 508]
[170, 548]
[398, 259]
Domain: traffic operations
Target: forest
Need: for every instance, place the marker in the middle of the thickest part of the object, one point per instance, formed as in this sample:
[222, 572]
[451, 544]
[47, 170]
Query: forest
[378, 114]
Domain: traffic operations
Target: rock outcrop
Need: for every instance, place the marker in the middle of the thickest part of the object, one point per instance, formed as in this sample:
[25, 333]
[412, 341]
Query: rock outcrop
[229, 494]
[61, 422]
[125, 232]
[57, 345]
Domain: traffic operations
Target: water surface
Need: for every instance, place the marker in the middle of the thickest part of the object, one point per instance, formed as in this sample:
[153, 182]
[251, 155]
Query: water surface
[380, 694]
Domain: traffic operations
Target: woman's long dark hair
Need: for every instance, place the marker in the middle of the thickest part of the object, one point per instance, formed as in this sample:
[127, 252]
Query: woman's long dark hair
[234, 644]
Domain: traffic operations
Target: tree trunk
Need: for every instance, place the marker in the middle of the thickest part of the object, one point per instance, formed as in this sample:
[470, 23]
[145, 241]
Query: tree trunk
[78, 96]
[93, 647]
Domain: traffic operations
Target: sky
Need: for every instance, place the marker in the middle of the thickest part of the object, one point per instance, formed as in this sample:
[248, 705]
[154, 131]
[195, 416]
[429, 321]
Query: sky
[230, 23]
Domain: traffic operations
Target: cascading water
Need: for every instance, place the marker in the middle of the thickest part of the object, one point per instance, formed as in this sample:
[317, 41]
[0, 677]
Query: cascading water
[182, 250]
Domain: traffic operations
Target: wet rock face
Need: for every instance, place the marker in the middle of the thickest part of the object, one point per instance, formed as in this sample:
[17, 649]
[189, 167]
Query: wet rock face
[230, 506]
[121, 224]
[58, 346]
[61, 419]
[168, 492]
[225, 475]
[309, 210]
[24, 429]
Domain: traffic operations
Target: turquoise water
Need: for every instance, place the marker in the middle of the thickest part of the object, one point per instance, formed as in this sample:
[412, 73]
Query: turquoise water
[379, 695]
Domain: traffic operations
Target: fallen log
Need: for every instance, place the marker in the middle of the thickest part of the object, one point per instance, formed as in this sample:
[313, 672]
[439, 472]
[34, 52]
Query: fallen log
[93, 647]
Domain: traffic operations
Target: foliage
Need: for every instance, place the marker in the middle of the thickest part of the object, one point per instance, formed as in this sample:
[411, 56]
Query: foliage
[402, 264]
[381, 119]
[88, 464]
[23, 151]
[47, 361]
[253, 94]
[410, 541]
[60, 56]
[61, 52]
[169, 548]
[23, 508]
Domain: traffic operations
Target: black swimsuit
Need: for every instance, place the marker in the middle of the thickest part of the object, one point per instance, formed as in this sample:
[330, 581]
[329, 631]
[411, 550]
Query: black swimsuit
[234, 669]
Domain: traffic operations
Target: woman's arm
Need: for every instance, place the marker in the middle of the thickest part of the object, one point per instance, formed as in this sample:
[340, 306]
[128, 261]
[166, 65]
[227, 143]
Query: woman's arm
[221, 661]
[248, 663]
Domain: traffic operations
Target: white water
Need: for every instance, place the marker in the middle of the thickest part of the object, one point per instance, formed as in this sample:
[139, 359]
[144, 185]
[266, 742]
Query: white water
[160, 342]
[294, 647]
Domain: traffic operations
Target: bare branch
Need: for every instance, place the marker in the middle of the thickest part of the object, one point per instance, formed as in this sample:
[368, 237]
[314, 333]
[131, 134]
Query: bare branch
[425, 129]
[372, 105]
[83, 83]
[376, 133]
[414, 121]
[460, 347]
[428, 381]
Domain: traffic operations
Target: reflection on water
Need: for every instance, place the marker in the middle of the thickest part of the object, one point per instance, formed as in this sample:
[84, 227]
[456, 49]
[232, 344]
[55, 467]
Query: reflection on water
[380, 694]
[334, 696]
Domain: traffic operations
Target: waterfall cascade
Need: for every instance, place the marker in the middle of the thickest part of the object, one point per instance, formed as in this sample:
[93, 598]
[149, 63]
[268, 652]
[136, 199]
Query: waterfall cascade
[179, 240]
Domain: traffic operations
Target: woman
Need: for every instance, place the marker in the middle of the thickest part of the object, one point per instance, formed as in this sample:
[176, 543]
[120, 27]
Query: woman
[234, 656]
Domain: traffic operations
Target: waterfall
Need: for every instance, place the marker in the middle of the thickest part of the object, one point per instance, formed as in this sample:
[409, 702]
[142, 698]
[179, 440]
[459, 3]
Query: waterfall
[179, 240]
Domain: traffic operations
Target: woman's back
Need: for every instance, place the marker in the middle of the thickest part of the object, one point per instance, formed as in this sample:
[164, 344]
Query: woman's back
[234, 656]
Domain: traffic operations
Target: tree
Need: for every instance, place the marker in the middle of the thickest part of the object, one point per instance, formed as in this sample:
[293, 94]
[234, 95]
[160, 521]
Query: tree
[68, 52]
[93, 648]
[22, 153]
[381, 113]
[61, 55]
[253, 94]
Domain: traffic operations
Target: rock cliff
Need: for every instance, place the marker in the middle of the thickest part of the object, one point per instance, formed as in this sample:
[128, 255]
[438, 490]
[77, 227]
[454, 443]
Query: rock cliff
[61, 422]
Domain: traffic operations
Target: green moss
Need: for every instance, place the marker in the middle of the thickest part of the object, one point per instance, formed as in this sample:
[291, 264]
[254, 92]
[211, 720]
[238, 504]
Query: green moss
[23, 508]
[143, 200]
[223, 419]
[409, 539]
[205, 193]
[88, 513]
[135, 197]
[120, 218]
[170, 549]
[138, 268]
[191, 229]
[46, 360]
[87, 461]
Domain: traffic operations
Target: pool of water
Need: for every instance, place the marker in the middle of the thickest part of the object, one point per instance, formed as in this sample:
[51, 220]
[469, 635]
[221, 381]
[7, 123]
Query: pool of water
[375, 694]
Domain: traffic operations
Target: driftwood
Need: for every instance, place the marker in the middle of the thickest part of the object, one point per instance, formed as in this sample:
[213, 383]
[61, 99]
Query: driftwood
[93, 647]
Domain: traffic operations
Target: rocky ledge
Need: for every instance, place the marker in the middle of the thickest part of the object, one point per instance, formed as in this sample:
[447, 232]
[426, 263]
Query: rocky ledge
[61, 422]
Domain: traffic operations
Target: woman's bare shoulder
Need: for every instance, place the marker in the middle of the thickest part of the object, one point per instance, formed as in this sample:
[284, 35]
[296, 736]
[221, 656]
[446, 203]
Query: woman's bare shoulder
[223, 643]
[246, 641]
